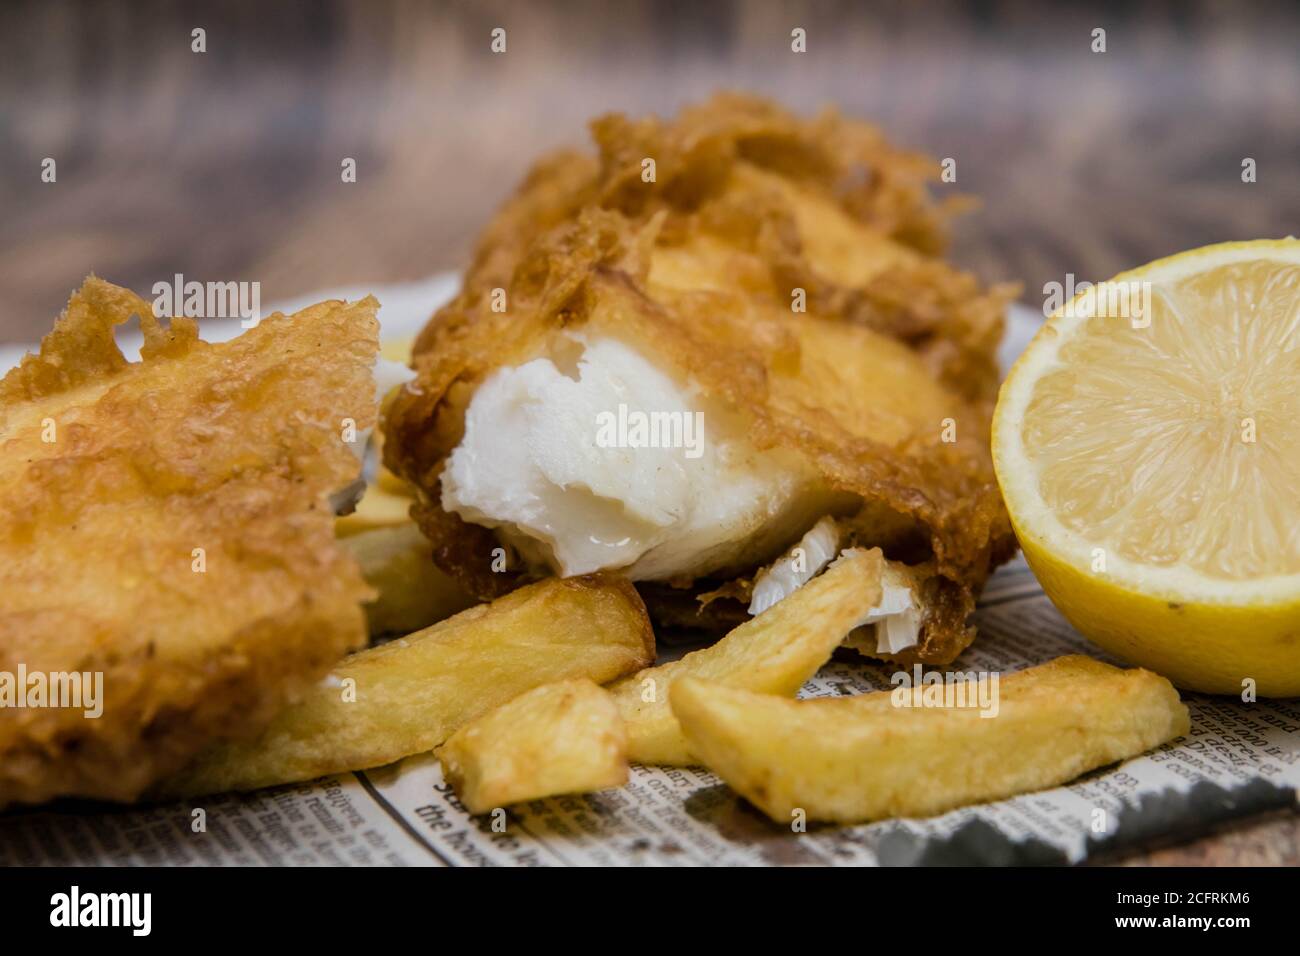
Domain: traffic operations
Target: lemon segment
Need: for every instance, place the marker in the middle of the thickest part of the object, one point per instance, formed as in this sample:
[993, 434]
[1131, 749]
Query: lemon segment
[1148, 447]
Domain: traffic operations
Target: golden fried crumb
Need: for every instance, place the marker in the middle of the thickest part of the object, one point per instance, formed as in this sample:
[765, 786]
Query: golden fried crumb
[166, 524]
[885, 382]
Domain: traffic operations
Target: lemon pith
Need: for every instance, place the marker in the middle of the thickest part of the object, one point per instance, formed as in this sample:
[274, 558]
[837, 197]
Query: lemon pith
[1149, 458]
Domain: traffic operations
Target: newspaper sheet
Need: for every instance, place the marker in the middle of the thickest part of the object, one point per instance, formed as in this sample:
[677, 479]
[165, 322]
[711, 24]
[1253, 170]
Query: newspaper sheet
[1239, 758]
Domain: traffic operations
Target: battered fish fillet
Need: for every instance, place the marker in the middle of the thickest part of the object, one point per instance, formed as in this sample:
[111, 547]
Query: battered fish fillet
[771, 289]
[167, 524]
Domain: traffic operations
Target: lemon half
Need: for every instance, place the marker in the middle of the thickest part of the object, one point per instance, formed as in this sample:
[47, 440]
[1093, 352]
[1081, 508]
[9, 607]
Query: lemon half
[1148, 447]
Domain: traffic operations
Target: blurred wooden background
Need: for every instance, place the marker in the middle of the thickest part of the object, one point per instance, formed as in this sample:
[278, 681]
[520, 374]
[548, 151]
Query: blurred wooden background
[225, 165]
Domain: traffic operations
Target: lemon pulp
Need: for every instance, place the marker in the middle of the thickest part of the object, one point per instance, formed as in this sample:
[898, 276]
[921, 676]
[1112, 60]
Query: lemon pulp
[1178, 441]
[1150, 459]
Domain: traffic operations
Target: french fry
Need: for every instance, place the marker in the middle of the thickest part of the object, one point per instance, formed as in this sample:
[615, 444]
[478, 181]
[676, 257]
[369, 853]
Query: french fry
[775, 653]
[565, 737]
[397, 350]
[379, 507]
[413, 593]
[851, 759]
[409, 695]
[385, 480]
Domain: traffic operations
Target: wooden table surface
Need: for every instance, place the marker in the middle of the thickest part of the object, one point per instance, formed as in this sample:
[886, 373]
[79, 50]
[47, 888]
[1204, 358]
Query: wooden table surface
[225, 165]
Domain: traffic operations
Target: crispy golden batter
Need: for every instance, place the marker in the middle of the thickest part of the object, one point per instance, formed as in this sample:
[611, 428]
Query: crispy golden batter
[750, 208]
[113, 475]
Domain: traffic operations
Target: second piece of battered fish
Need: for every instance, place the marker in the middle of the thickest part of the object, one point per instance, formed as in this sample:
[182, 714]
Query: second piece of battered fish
[676, 356]
[168, 569]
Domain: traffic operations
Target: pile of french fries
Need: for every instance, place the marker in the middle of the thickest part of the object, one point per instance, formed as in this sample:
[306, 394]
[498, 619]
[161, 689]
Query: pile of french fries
[553, 689]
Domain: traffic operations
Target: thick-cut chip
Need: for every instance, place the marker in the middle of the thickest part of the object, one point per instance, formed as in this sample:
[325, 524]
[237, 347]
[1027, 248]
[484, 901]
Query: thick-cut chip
[409, 695]
[774, 653]
[166, 534]
[397, 350]
[412, 591]
[379, 507]
[888, 754]
[565, 737]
